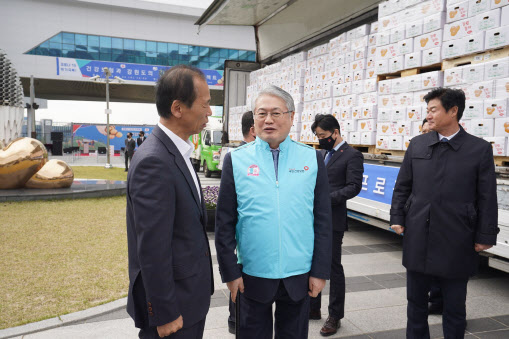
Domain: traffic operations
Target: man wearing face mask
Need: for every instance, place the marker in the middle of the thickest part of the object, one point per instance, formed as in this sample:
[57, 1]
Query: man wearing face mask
[345, 169]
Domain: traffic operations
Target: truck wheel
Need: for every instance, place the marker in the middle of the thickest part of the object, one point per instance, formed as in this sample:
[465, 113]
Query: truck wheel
[206, 170]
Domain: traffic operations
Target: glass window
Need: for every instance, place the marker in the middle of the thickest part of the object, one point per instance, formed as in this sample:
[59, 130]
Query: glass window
[57, 38]
[139, 45]
[204, 51]
[242, 55]
[93, 49]
[45, 44]
[214, 52]
[93, 40]
[94, 55]
[129, 44]
[251, 56]
[183, 58]
[151, 54]
[233, 54]
[105, 56]
[193, 50]
[183, 49]
[162, 47]
[80, 39]
[151, 46]
[55, 45]
[68, 38]
[117, 43]
[203, 65]
[105, 41]
[67, 47]
[151, 61]
[223, 53]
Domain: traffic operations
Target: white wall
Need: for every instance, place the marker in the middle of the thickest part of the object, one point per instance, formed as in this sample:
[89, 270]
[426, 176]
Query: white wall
[25, 24]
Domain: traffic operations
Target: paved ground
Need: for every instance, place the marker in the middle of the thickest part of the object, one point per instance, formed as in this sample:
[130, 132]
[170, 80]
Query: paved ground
[375, 299]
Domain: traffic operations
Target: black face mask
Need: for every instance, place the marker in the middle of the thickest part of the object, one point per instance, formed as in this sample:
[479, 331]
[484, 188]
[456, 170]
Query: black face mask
[327, 143]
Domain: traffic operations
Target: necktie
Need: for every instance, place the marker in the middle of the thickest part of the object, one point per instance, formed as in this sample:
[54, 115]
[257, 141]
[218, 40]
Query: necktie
[444, 140]
[275, 157]
[329, 156]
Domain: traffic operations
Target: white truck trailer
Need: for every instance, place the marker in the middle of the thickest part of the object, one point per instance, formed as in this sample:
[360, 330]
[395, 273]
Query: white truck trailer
[319, 41]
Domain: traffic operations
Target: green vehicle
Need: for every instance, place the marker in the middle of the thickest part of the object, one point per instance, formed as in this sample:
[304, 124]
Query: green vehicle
[207, 147]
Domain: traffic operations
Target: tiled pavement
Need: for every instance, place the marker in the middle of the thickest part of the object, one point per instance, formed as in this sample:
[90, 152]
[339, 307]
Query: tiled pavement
[375, 300]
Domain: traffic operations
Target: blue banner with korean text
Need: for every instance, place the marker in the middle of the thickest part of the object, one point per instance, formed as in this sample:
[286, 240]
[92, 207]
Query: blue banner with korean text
[378, 183]
[126, 71]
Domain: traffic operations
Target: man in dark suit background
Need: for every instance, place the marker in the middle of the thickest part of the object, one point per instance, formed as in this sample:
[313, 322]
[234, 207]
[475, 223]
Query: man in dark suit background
[248, 131]
[249, 134]
[344, 169]
[170, 267]
[129, 150]
[445, 202]
[141, 138]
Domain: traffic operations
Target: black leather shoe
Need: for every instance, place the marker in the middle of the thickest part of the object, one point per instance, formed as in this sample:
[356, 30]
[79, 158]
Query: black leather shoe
[330, 327]
[435, 308]
[231, 327]
[315, 315]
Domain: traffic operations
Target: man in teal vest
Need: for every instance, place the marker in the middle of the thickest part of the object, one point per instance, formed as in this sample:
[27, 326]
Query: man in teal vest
[274, 209]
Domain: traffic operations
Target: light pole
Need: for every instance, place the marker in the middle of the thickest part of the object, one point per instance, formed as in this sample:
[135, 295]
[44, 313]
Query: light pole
[107, 74]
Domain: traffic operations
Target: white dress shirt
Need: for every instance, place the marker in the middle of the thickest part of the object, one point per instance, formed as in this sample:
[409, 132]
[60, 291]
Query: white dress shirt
[185, 148]
[440, 136]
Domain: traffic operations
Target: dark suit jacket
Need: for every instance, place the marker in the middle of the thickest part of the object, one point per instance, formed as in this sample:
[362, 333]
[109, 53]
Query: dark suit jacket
[345, 171]
[129, 147]
[261, 289]
[446, 198]
[170, 268]
[140, 141]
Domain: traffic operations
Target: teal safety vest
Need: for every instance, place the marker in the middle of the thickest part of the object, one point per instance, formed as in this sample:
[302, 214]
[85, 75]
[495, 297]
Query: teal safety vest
[275, 227]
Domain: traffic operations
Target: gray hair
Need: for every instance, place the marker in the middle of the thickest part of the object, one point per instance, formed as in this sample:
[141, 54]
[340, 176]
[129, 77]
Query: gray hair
[277, 92]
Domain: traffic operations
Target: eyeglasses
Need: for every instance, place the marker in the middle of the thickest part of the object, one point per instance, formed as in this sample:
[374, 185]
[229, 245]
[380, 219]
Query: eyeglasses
[275, 115]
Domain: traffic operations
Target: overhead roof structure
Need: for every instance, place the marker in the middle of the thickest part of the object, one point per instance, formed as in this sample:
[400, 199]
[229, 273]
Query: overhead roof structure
[284, 27]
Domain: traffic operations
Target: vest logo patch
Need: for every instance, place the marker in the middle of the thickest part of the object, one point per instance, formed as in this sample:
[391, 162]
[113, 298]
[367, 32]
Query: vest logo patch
[293, 170]
[253, 171]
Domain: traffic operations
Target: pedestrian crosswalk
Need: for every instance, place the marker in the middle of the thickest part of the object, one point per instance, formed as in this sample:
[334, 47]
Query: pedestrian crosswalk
[214, 180]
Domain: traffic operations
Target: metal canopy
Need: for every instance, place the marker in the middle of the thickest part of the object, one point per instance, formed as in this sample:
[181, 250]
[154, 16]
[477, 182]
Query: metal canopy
[53, 89]
[241, 12]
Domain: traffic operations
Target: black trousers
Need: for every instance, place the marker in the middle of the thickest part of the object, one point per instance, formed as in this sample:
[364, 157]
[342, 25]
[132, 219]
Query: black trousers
[454, 293]
[337, 281]
[231, 308]
[435, 293]
[291, 318]
[128, 158]
[193, 332]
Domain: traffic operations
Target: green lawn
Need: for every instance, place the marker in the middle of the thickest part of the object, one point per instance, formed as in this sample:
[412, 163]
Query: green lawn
[62, 256]
[99, 172]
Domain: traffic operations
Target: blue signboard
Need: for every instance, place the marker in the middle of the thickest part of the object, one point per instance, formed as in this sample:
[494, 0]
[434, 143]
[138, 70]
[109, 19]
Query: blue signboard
[96, 134]
[131, 72]
[378, 183]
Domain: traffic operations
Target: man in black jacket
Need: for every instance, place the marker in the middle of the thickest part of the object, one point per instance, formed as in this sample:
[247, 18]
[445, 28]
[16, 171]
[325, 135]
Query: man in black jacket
[141, 138]
[345, 169]
[129, 150]
[445, 202]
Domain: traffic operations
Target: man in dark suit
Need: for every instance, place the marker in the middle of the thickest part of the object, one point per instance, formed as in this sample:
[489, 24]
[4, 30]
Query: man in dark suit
[248, 131]
[249, 134]
[445, 202]
[274, 208]
[344, 169]
[170, 267]
[129, 150]
[141, 138]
